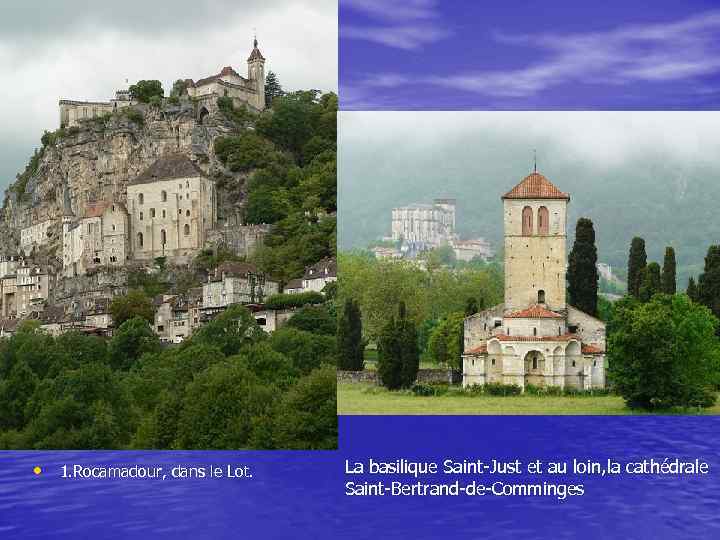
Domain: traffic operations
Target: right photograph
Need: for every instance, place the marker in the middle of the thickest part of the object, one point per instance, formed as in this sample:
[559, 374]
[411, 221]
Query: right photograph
[528, 262]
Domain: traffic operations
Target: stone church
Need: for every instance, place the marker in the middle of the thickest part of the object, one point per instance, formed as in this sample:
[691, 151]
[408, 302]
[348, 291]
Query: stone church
[535, 337]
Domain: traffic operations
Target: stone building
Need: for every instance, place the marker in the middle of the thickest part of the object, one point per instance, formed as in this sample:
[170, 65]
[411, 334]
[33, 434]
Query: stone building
[243, 91]
[318, 275]
[172, 318]
[35, 235]
[236, 283]
[424, 226]
[98, 238]
[534, 337]
[33, 287]
[172, 207]
[72, 112]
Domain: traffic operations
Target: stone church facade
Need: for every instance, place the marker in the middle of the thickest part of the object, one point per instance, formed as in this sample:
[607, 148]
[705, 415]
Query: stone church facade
[535, 337]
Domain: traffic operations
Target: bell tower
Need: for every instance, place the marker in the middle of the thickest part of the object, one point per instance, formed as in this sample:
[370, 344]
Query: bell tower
[535, 216]
[256, 75]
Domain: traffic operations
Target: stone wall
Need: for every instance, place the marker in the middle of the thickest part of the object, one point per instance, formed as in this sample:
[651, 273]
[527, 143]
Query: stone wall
[424, 376]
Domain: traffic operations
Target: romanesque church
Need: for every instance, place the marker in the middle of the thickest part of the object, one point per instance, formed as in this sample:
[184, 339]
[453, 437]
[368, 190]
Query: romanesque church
[535, 337]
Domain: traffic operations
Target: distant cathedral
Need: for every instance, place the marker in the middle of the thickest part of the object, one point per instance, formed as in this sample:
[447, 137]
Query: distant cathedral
[535, 337]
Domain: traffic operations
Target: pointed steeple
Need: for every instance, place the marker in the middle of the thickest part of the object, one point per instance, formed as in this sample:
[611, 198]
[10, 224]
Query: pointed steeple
[255, 54]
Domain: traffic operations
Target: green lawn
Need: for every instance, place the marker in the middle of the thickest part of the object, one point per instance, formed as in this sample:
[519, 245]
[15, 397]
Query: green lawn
[365, 398]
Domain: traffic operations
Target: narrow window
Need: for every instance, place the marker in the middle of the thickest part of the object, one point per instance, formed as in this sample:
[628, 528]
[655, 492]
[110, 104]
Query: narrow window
[163, 237]
[140, 239]
[527, 221]
[141, 198]
[163, 196]
[187, 213]
[541, 296]
[152, 212]
[543, 220]
[186, 229]
[141, 216]
[534, 362]
[534, 331]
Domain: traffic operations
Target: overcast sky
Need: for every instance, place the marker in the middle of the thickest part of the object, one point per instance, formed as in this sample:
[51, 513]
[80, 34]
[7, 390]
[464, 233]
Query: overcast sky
[652, 174]
[87, 49]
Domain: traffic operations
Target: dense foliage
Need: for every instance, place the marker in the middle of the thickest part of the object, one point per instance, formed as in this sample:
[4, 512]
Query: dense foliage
[582, 274]
[664, 353]
[651, 282]
[145, 91]
[379, 286]
[351, 346]
[709, 282]
[637, 260]
[229, 386]
[398, 353]
[446, 341]
[290, 163]
[134, 304]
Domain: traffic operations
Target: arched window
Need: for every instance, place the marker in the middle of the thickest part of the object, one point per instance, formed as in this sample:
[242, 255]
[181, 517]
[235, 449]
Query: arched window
[527, 221]
[139, 239]
[141, 198]
[187, 213]
[163, 237]
[186, 229]
[541, 296]
[163, 196]
[164, 214]
[152, 212]
[543, 220]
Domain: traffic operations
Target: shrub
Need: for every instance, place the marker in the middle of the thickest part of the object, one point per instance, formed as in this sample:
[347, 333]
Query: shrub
[421, 389]
[499, 389]
[287, 301]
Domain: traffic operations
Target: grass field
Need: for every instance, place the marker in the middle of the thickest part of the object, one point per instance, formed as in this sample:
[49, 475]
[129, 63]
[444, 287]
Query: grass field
[365, 398]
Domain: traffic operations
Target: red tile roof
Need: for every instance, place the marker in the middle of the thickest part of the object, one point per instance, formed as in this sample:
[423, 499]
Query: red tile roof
[591, 349]
[482, 349]
[564, 337]
[536, 311]
[535, 186]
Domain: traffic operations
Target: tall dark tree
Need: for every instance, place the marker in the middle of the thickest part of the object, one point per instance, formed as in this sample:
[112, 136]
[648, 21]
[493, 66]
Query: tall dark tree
[273, 88]
[349, 337]
[692, 290]
[637, 261]
[651, 282]
[669, 284]
[471, 306]
[388, 364]
[582, 272]
[409, 350]
[709, 281]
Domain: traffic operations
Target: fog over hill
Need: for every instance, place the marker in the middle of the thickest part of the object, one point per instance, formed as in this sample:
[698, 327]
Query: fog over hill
[649, 174]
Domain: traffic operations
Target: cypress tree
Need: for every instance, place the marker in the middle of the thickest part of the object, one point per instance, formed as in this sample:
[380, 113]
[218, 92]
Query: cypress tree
[637, 261]
[582, 272]
[692, 290]
[668, 272]
[273, 88]
[351, 349]
[651, 282]
[409, 350]
[389, 364]
[709, 281]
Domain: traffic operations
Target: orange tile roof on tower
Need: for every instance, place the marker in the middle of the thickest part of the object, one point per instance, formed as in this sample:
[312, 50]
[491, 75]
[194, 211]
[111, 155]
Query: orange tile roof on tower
[535, 186]
[535, 311]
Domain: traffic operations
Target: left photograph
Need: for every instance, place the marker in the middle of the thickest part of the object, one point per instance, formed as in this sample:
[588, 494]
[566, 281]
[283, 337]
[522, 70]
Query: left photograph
[167, 235]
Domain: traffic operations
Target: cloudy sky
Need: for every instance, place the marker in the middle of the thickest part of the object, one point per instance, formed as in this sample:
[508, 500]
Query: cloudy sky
[652, 174]
[529, 55]
[86, 50]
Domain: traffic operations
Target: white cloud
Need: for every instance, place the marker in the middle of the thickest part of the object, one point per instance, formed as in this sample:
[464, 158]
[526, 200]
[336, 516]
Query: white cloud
[84, 64]
[653, 52]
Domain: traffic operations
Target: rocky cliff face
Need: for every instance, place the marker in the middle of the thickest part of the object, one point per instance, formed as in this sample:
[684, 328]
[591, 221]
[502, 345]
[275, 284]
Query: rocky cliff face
[97, 160]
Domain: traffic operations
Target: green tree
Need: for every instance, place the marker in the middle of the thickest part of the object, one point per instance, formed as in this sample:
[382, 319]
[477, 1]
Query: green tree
[471, 306]
[446, 341]
[709, 281]
[637, 261]
[351, 347]
[307, 415]
[273, 88]
[651, 282]
[144, 91]
[692, 290]
[230, 331]
[669, 283]
[389, 362]
[15, 392]
[220, 405]
[582, 274]
[314, 318]
[134, 304]
[305, 350]
[179, 88]
[664, 353]
[409, 350]
[133, 339]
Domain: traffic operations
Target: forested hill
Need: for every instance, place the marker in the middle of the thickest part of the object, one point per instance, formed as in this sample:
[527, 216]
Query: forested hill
[665, 201]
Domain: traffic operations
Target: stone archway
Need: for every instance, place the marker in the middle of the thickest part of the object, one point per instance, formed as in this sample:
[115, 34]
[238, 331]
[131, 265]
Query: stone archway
[202, 114]
[534, 368]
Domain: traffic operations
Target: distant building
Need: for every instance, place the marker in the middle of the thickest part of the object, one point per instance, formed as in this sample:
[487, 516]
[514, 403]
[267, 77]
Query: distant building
[72, 112]
[605, 271]
[467, 250]
[424, 226]
[294, 286]
[35, 235]
[172, 318]
[33, 287]
[236, 283]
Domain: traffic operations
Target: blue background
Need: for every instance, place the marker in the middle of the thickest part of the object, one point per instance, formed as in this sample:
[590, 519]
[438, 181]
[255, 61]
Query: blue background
[301, 494]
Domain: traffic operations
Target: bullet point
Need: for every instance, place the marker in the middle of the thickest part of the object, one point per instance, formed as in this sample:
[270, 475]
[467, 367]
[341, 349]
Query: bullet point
[37, 470]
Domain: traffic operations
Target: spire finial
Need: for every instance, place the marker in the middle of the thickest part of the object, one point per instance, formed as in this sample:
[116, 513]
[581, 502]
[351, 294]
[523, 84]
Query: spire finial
[534, 160]
[255, 38]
